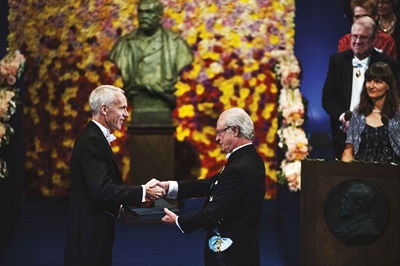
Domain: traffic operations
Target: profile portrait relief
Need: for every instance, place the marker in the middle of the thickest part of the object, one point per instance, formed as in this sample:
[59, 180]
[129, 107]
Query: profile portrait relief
[150, 60]
[356, 212]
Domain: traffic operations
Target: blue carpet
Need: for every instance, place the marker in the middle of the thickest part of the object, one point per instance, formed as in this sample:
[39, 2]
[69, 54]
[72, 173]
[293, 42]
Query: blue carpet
[40, 236]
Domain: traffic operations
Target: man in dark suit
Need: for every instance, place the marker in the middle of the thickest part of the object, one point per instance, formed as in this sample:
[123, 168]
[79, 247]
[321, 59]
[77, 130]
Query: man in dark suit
[345, 78]
[97, 189]
[235, 196]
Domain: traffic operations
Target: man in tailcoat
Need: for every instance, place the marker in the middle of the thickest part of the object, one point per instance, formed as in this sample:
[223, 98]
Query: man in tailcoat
[97, 189]
[234, 197]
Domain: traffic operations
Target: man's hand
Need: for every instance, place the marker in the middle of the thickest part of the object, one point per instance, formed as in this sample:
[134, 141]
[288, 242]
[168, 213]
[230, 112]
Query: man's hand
[164, 185]
[153, 190]
[169, 217]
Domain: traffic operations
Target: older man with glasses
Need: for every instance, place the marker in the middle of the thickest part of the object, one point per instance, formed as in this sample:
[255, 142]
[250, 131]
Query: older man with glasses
[345, 77]
[235, 196]
[383, 42]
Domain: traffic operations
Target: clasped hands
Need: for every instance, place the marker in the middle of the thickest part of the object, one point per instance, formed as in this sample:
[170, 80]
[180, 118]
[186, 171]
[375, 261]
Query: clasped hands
[156, 189]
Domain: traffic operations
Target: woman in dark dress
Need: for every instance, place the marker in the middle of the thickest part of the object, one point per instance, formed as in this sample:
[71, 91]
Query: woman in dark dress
[374, 131]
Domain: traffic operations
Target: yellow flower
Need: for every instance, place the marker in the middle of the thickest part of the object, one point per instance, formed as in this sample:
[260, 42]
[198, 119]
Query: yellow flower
[92, 76]
[186, 111]
[203, 173]
[210, 55]
[56, 178]
[208, 109]
[194, 72]
[274, 39]
[199, 89]
[210, 131]
[68, 142]
[125, 166]
[181, 89]
[181, 133]
[119, 82]
[269, 108]
[191, 36]
[45, 191]
[216, 153]
[53, 125]
[234, 39]
[271, 135]
[198, 136]
[116, 149]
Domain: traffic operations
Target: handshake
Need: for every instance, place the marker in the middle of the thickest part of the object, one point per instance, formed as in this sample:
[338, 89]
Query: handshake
[156, 189]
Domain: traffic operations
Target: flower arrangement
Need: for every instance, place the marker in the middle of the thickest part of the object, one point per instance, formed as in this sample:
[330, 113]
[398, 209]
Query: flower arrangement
[11, 67]
[67, 51]
[292, 138]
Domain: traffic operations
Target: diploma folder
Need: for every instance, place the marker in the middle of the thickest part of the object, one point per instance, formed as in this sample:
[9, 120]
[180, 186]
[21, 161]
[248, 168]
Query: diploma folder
[154, 212]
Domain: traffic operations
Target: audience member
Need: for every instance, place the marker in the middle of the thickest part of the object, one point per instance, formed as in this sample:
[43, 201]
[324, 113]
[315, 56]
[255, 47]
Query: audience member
[345, 78]
[383, 42]
[388, 22]
[369, 137]
[235, 196]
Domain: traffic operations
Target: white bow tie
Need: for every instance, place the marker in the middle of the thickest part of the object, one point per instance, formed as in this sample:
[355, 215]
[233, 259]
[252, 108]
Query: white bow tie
[110, 138]
[360, 63]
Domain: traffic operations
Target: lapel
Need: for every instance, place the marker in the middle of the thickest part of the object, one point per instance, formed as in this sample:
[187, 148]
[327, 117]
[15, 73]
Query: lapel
[231, 160]
[347, 71]
[104, 142]
[374, 58]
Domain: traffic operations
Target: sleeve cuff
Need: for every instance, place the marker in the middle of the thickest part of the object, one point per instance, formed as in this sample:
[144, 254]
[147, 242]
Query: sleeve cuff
[172, 190]
[177, 224]
[143, 193]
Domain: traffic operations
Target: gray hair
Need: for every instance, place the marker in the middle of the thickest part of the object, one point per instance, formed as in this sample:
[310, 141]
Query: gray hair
[366, 22]
[237, 117]
[102, 95]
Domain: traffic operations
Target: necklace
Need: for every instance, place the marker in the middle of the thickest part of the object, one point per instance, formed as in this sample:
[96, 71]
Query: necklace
[376, 111]
[385, 30]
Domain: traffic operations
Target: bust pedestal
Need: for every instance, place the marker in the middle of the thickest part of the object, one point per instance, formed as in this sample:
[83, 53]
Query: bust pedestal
[152, 152]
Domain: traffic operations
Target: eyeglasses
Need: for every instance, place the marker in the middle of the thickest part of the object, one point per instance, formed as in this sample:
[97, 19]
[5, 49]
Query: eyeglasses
[385, 2]
[219, 132]
[360, 37]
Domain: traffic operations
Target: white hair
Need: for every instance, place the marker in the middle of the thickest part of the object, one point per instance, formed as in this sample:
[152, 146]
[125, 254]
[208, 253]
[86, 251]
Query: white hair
[237, 117]
[102, 95]
[366, 22]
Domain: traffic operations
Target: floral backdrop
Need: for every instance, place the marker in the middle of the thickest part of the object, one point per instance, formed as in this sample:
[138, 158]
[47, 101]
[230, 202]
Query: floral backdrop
[11, 68]
[240, 49]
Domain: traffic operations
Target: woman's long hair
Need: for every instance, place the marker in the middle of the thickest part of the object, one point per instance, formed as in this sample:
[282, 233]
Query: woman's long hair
[380, 72]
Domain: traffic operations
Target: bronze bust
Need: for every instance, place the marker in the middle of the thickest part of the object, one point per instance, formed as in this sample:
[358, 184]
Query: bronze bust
[150, 60]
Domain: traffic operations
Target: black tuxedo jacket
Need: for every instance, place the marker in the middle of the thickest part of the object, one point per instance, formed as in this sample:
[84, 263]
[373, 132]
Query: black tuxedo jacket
[336, 94]
[97, 192]
[234, 201]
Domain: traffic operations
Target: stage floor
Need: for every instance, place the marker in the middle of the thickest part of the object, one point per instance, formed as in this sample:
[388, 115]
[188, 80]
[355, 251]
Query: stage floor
[40, 236]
